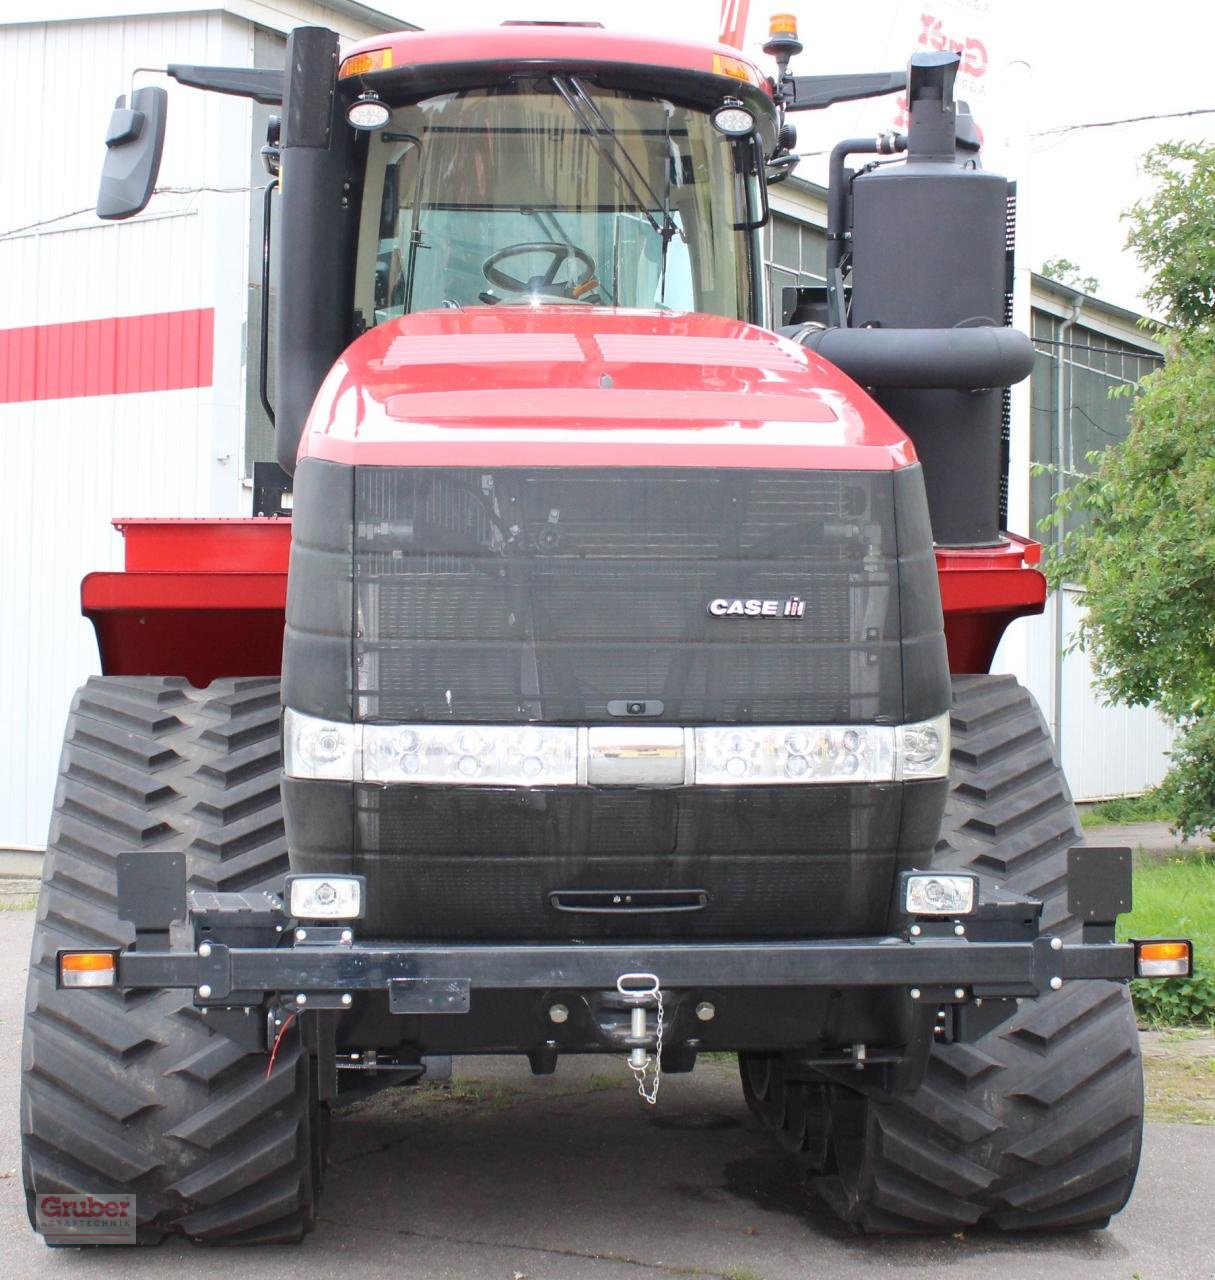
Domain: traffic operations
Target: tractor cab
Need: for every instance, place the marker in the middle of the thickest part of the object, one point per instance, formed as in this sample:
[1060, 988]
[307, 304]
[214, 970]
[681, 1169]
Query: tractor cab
[553, 189]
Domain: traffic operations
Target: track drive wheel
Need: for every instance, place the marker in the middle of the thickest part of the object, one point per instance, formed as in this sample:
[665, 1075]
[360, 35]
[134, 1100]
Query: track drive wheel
[135, 1094]
[1038, 1124]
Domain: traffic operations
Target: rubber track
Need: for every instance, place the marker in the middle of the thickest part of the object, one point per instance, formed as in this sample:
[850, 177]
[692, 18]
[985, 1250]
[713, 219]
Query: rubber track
[1038, 1124]
[135, 1093]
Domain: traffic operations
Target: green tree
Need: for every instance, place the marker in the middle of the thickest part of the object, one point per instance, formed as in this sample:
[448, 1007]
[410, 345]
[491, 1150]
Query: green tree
[1145, 550]
[1068, 272]
[1171, 233]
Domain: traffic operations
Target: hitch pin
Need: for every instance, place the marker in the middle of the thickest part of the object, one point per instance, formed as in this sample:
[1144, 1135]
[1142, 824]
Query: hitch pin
[638, 1056]
[640, 987]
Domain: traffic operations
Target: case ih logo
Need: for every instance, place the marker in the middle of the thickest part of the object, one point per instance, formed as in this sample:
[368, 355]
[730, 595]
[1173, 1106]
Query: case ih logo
[95, 1218]
[790, 607]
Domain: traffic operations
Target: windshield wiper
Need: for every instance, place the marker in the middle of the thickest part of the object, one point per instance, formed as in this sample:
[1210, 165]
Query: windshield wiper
[586, 111]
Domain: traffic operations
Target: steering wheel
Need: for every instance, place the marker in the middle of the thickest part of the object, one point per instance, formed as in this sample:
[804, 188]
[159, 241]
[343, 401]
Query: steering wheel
[545, 284]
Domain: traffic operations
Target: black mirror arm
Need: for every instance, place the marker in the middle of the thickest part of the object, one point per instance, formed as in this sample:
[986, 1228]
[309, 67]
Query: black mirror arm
[813, 93]
[262, 84]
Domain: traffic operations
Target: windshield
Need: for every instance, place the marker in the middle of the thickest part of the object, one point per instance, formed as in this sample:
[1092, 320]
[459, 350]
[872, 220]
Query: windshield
[556, 191]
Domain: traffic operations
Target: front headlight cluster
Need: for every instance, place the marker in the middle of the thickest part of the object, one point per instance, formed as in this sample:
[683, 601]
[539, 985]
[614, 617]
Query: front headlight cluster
[499, 755]
[491, 755]
[786, 753]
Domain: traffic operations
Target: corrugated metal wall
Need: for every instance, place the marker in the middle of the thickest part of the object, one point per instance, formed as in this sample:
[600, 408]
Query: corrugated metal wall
[1106, 750]
[134, 404]
[73, 460]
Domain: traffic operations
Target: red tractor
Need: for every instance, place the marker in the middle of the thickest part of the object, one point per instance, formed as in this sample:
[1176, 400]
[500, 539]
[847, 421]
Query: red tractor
[620, 682]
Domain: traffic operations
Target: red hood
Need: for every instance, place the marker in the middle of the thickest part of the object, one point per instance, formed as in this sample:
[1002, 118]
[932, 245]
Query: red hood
[573, 385]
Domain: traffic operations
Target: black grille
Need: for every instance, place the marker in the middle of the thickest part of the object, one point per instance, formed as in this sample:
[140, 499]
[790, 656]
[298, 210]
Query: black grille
[776, 861]
[546, 594]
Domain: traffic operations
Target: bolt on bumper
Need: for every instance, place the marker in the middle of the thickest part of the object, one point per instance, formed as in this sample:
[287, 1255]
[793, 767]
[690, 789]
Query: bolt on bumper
[247, 948]
[441, 976]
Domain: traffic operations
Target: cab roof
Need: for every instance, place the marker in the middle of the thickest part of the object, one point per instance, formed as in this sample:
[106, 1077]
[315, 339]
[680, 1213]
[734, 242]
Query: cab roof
[519, 45]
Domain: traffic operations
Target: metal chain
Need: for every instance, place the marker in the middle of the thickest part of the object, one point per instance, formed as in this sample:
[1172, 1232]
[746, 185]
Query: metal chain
[640, 1073]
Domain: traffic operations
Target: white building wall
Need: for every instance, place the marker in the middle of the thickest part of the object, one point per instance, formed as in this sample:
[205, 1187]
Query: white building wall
[71, 465]
[1105, 750]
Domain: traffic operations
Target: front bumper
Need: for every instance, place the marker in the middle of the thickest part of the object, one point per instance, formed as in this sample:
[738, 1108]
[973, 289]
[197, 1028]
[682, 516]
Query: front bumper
[246, 948]
[434, 978]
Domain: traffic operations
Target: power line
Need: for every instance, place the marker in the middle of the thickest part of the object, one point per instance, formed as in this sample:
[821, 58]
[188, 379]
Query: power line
[1059, 130]
[33, 226]
[160, 191]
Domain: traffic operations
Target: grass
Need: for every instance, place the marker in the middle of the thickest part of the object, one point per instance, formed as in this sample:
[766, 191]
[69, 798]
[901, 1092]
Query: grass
[1175, 897]
[1152, 806]
[1178, 1088]
[459, 1094]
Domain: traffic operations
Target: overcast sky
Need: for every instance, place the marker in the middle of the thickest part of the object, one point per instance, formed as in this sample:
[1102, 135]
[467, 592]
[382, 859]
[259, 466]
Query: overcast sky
[1046, 65]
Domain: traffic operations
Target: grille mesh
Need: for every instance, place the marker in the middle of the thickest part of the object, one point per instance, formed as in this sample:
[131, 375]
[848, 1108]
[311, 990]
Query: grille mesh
[548, 593]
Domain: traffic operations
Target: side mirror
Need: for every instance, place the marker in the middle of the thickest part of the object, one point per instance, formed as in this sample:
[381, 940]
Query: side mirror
[133, 142]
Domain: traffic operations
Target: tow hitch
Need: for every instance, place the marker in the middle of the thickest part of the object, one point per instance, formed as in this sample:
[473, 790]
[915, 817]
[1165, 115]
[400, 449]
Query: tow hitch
[639, 991]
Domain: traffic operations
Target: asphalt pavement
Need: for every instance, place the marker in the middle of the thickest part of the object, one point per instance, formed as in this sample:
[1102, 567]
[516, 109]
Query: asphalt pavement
[506, 1176]
[1146, 837]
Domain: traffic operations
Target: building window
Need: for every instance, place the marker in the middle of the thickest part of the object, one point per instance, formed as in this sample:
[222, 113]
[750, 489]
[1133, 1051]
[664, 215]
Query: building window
[1088, 365]
[795, 253]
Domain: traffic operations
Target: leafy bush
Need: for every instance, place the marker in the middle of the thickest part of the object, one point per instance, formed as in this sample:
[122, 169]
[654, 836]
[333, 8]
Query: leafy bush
[1175, 898]
[1157, 805]
[1176, 1002]
[1145, 548]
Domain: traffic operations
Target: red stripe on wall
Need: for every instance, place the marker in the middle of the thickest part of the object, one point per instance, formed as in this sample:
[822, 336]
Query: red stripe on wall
[167, 351]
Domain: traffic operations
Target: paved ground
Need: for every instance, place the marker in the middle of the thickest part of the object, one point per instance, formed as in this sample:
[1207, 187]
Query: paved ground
[1153, 837]
[571, 1177]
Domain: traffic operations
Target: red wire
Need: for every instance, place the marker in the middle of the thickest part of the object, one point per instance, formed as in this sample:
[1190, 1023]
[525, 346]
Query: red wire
[278, 1040]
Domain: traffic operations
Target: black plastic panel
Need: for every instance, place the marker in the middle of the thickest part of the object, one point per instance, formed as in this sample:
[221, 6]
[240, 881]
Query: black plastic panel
[547, 594]
[482, 863]
[316, 646]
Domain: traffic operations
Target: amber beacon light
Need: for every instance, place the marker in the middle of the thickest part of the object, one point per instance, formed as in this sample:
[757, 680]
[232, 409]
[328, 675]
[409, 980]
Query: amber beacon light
[782, 40]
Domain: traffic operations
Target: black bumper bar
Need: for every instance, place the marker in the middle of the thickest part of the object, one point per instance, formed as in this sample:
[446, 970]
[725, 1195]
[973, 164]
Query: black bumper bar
[246, 947]
[223, 975]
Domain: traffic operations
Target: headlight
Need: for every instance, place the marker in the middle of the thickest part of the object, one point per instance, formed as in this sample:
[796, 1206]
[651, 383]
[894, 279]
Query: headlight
[315, 748]
[779, 754]
[531, 755]
[325, 897]
[941, 894]
[923, 748]
[487, 754]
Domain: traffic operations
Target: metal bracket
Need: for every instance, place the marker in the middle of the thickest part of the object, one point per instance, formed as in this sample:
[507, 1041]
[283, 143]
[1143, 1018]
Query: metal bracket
[151, 894]
[1098, 888]
[429, 995]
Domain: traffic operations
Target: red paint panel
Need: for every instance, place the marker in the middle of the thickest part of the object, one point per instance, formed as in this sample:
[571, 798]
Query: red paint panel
[651, 388]
[254, 544]
[983, 589]
[165, 351]
[516, 46]
[197, 625]
[593, 449]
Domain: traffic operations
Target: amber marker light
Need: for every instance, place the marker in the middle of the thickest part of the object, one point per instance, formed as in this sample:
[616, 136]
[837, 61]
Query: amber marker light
[735, 68]
[1163, 958]
[359, 64]
[88, 968]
